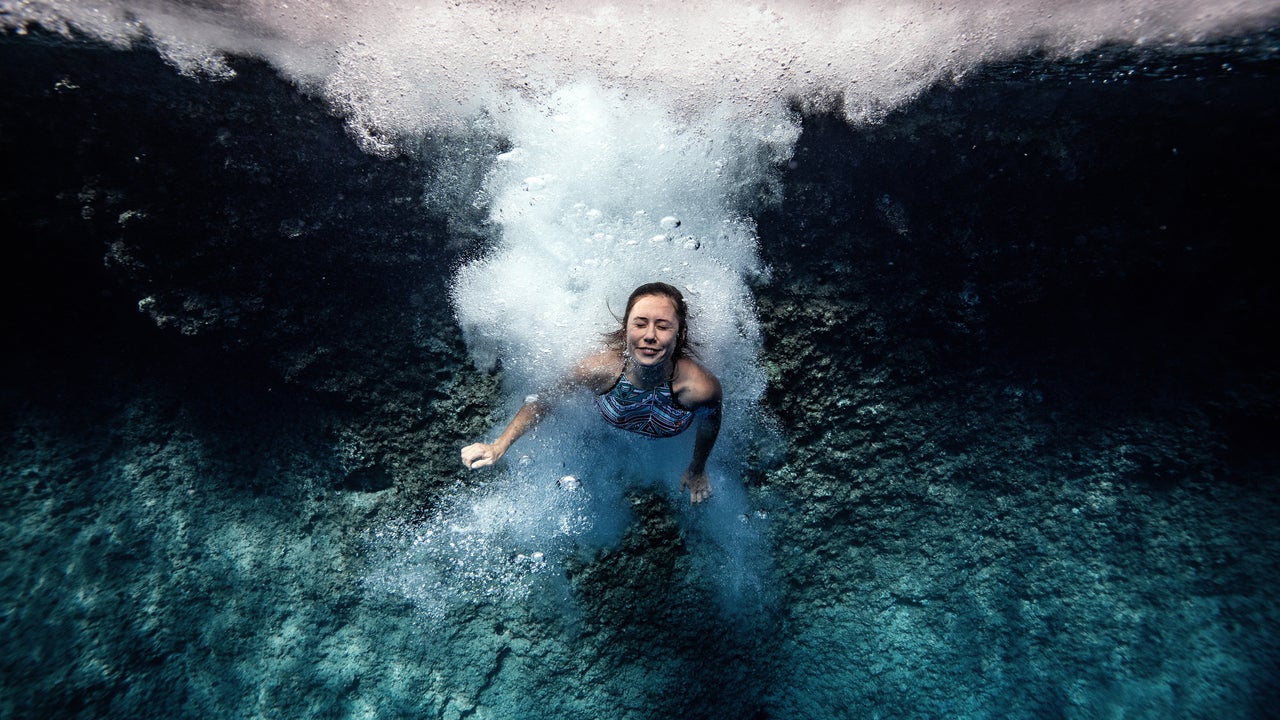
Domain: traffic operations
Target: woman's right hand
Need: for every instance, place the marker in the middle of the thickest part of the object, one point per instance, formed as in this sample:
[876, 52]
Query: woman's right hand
[478, 455]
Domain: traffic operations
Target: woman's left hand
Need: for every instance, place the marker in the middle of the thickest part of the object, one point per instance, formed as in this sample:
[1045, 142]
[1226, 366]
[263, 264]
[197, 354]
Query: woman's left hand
[698, 483]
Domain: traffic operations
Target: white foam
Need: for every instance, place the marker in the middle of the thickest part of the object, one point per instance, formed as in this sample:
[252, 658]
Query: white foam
[400, 70]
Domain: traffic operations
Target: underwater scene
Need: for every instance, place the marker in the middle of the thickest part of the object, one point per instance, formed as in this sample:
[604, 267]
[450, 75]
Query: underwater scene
[987, 288]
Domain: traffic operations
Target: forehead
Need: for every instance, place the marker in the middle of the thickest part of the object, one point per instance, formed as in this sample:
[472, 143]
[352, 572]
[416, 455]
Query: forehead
[654, 307]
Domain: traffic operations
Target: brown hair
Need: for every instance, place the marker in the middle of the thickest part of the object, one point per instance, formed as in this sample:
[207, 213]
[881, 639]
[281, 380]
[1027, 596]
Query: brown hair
[617, 340]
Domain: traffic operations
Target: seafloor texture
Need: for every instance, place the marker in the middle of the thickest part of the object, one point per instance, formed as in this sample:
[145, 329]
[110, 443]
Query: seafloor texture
[1019, 346]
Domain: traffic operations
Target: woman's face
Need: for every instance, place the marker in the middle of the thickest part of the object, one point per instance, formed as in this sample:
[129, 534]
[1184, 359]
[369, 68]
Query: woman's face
[652, 330]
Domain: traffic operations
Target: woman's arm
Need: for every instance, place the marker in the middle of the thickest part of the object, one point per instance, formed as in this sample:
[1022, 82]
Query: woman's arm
[695, 477]
[590, 373]
[478, 455]
[702, 395]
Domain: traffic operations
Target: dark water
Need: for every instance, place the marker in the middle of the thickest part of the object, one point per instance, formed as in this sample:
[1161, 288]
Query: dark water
[1018, 338]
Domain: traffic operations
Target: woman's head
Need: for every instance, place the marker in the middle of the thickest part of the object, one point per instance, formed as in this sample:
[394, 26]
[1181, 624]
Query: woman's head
[665, 304]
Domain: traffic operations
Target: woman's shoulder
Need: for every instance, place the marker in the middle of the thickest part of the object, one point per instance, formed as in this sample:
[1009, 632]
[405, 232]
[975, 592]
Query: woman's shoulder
[599, 371]
[695, 384]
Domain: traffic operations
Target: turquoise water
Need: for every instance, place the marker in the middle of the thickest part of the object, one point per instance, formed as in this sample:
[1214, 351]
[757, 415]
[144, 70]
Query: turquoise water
[993, 329]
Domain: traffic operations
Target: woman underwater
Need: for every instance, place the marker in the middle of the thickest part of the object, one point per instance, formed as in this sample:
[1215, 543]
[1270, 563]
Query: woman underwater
[645, 381]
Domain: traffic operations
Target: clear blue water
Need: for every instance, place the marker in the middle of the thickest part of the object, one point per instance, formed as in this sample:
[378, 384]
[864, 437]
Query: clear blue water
[985, 287]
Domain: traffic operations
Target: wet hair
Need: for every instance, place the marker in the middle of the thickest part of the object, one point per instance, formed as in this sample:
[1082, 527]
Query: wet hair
[617, 340]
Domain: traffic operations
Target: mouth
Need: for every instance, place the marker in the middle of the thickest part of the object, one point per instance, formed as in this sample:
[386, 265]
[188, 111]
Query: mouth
[648, 351]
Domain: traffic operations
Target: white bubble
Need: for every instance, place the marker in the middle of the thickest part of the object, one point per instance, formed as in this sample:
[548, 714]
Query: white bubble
[537, 183]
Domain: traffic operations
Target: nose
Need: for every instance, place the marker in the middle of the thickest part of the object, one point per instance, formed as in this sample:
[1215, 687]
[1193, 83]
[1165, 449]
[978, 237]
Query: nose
[651, 334]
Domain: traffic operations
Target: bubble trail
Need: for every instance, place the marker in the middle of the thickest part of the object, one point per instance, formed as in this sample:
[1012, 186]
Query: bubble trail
[600, 192]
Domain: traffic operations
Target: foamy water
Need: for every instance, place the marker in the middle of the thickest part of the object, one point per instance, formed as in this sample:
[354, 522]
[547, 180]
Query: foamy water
[397, 69]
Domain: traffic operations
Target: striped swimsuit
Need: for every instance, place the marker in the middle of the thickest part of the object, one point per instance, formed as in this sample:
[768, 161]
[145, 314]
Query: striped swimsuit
[654, 412]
